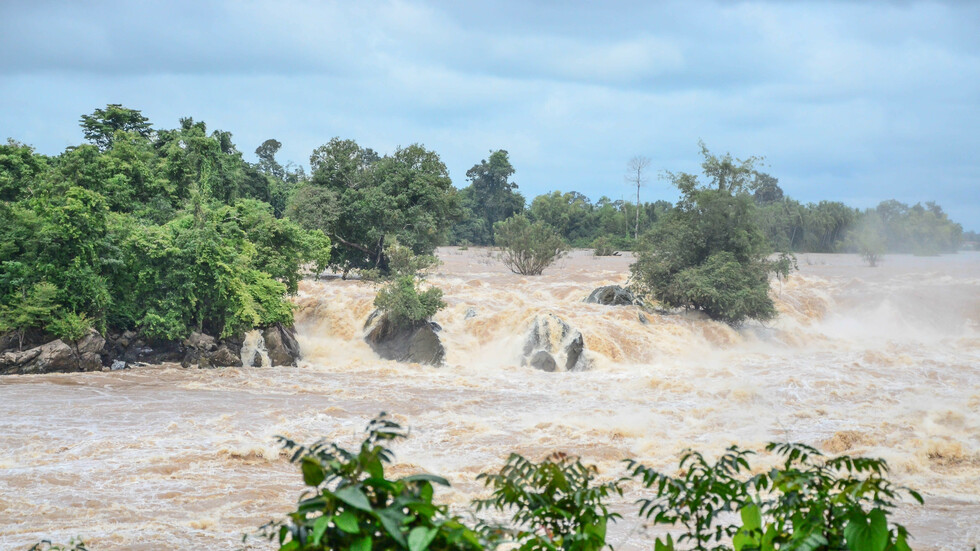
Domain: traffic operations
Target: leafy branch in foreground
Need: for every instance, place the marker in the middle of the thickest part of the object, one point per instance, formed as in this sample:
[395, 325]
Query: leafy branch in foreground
[556, 503]
[351, 505]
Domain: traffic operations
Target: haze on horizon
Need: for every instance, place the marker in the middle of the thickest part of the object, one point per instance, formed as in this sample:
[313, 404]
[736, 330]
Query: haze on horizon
[849, 101]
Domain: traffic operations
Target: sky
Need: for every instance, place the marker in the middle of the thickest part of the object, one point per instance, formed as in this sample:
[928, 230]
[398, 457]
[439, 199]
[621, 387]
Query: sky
[849, 101]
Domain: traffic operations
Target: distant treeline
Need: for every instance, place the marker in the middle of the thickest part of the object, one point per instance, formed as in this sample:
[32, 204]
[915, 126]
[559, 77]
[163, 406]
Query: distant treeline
[790, 225]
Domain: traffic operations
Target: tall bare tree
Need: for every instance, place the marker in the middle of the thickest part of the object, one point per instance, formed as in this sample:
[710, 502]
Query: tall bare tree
[636, 177]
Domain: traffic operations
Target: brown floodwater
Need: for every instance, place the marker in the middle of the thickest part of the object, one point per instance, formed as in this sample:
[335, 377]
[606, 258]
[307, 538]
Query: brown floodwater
[875, 361]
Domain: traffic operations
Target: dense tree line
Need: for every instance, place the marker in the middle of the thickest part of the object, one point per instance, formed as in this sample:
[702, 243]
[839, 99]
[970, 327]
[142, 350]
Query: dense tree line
[161, 231]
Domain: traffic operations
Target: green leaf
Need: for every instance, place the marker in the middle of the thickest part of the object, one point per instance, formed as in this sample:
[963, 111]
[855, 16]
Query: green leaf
[313, 473]
[667, 545]
[428, 477]
[375, 468]
[751, 517]
[354, 497]
[901, 544]
[420, 537]
[361, 544]
[293, 545]
[392, 521]
[347, 521]
[319, 527]
[866, 532]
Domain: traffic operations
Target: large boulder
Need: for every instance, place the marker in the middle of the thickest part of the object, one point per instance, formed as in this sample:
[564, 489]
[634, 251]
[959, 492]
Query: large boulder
[613, 295]
[56, 356]
[561, 344]
[416, 342]
[281, 345]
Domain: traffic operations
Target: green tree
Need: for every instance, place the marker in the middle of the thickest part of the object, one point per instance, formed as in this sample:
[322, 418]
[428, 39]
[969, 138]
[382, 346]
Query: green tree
[528, 248]
[491, 197]
[709, 253]
[101, 126]
[406, 195]
[402, 299]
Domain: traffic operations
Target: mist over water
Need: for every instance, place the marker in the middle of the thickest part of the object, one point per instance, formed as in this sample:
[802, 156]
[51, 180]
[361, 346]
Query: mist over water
[874, 361]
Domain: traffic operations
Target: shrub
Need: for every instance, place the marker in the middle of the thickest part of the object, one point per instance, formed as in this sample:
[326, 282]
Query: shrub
[401, 298]
[809, 502]
[602, 246]
[555, 504]
[528, 248]
[353, 505]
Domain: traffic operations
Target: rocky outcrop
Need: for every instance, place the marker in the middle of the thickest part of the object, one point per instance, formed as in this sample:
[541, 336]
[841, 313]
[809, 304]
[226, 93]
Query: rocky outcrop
[55, 356]
[551, 343]
[281, 345]
[416, 343]
[120, 350]
[613, 295]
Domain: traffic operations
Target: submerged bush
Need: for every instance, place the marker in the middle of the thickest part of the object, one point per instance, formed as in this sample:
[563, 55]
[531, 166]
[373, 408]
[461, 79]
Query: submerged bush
[603, 246]
[402, 298]
[528, 248]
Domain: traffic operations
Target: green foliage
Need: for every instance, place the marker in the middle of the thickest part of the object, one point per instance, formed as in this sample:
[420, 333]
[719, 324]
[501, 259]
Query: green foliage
[699, 499]
[809, 502]
[351, 503]
[555, 504]
[528, 248]
[101, 126]
[603, 246]
[868, 239]
[490, 198]
[164, 231]
[359, 200]
[402, 298]
[709, 253]
[76, 544]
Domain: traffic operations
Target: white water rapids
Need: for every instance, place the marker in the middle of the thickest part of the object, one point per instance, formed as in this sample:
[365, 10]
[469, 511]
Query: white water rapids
[873, 361]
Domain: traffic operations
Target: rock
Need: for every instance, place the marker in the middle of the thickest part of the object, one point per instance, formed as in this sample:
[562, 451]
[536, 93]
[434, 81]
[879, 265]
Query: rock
[118, 365]
[224, 356]
[200, 341]
[643, 319]
[613, 295]
[281, 345]
[416, 343]
[552, 335]
[470, 313]
[544, 361]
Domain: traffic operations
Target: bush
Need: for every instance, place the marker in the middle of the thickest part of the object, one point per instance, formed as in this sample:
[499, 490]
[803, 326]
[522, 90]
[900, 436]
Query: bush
[402, 299]
[352, 505]
[602, 246]
[810, 502]
[528, 248]
[555, 504]
[709, 253]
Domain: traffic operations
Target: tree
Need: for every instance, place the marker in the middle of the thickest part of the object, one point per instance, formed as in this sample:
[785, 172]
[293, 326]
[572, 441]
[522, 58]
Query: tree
[636, 177]
[406, 195]
[101, 126]
[528, 248]
[709, 253]
[267, 158]
[491, 196]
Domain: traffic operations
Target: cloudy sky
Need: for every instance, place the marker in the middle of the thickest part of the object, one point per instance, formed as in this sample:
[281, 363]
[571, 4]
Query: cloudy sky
[849, 101]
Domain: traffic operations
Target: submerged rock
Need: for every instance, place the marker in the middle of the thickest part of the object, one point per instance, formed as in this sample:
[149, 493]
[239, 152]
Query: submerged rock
[416, 343]
[562, 343]
[613, 295]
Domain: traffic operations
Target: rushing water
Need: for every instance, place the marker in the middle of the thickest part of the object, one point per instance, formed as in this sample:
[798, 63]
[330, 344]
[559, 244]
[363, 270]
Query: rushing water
[882, 362]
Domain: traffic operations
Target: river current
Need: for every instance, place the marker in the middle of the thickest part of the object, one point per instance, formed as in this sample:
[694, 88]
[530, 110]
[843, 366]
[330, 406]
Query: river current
[873, 361]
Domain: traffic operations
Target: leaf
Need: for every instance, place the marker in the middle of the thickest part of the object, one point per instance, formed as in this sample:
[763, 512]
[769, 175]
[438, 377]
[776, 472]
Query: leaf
[392, 521]
[420, 537]
[313, 473]
[867, 532]
[347, 521]
[667, 545]
[354, 497]
[319, 527]
[361, 544]
[428, 477]
[751, 517]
